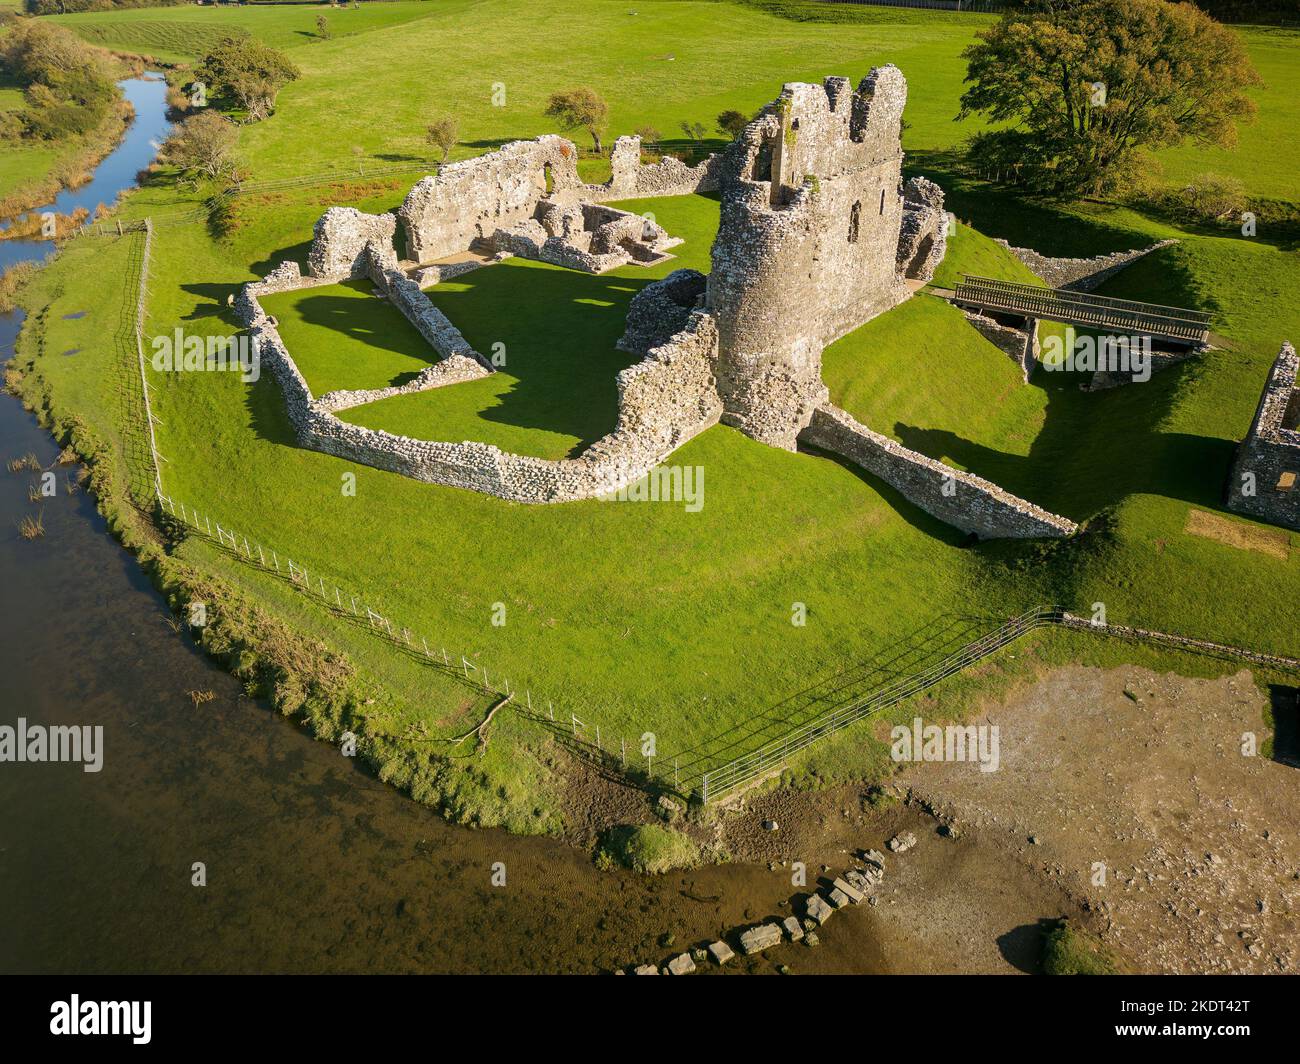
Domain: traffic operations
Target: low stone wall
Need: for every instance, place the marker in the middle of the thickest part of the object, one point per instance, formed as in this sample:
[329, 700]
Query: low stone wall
[1080, 275]
[664, 400]
[450, 370]
[1021, 345]
[432, 323]
[960, 499]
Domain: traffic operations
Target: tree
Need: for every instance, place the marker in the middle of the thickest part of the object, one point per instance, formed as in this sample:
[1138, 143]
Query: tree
[322, 27]
[649, 134]
[693, 130]
[203, 144]
[730, 123]
[443, 133]
[68, 86]
[580, 109]
[1087, 84]
[250, 72]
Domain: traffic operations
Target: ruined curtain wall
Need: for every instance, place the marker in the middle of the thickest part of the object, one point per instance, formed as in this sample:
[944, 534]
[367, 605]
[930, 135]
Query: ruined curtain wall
[969, 503]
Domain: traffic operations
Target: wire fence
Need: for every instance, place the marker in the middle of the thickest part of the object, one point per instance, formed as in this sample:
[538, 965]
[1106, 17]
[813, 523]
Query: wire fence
[772, 756]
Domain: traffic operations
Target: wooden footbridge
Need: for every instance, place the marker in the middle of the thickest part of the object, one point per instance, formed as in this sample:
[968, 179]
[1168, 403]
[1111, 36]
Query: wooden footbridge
[1084, 309]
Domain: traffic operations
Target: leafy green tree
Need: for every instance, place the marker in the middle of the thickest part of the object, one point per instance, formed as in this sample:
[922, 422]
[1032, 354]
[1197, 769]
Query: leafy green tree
[1087, 84]
[580, 109]
[249, 72]
[203, 145]
[730, 123]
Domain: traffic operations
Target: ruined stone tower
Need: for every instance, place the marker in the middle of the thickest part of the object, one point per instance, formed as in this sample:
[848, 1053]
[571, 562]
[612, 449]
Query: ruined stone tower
[807, 244]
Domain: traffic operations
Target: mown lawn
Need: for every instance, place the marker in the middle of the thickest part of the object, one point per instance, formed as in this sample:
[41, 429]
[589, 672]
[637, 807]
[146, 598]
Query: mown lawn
[343, 336]
[646, 617]
[553, 332]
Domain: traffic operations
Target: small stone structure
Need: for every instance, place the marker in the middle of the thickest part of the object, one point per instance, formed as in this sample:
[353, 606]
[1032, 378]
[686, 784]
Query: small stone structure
[1015, 335]
[923, 237]
[817, 235]
[1265, 479]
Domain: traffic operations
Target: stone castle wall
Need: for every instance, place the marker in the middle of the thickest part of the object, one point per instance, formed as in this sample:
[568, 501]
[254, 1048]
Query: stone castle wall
[664, 400]
[468, 201]
[807, 244]
[633, 179]
[957, 498]
[1080, 275]
[1268, 459]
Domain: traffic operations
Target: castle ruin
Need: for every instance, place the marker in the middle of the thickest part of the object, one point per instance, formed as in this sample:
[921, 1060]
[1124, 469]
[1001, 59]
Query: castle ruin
[817, 235]
[1263, 483]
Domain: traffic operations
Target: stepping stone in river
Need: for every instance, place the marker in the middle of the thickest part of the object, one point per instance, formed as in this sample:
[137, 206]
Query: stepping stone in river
[681, 965]
[720, 952]
[817, 907]
[852, 893]
[757, 939]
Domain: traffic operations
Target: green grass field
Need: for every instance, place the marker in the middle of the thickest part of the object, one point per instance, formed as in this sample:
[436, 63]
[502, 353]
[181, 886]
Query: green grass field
[644, 618]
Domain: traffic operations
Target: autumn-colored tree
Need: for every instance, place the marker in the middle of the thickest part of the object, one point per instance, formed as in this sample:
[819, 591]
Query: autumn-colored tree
[1083, 85]
[442, 133]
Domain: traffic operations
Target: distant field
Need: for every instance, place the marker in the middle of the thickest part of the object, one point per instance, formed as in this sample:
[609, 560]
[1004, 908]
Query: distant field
[659, 64]
[178, 34]
[645, 617]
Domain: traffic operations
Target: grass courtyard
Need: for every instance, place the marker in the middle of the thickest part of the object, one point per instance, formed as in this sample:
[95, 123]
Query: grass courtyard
[646, 618]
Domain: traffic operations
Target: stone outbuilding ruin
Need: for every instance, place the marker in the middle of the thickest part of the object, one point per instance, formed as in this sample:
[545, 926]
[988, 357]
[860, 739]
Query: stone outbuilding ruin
[1265, 479]
[817, 236]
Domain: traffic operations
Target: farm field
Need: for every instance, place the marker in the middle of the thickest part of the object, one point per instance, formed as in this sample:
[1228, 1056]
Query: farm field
[649, 618]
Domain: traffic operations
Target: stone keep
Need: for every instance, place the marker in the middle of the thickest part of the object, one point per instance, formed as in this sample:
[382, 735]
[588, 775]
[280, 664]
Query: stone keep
[1265, 479]
[807, 245]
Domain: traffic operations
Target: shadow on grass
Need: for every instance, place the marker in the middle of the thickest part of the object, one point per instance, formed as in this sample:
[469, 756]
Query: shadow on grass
[366, 319]
[1022, 220]
[1095, 448]
[556, 329]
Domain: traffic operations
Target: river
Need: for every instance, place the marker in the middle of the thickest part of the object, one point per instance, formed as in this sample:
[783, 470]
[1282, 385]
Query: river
[311, 864]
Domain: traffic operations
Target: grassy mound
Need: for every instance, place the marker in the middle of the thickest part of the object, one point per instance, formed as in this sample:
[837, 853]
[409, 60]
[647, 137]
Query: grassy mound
[1069, 951]
[648, 848]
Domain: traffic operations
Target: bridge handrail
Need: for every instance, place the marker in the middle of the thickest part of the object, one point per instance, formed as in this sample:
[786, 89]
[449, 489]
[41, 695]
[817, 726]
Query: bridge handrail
[1085, 299]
